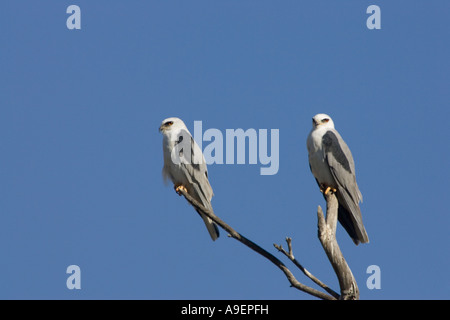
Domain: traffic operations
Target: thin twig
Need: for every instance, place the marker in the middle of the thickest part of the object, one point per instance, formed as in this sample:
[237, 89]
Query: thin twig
[291, 257]
[234, 234]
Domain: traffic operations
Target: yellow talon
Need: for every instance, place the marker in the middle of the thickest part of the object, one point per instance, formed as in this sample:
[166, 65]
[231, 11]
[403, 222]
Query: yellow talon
[180, 187]
[328, 190]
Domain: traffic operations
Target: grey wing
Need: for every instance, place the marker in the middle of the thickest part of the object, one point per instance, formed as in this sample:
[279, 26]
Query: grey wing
[340, 161]
[342, 167]
[194, 167]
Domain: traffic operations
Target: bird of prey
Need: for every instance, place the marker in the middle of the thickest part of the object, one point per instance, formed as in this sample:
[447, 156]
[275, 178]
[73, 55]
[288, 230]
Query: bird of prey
[331, 163]
[185, 166]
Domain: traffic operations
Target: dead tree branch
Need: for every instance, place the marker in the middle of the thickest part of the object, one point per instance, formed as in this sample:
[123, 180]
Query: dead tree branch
[291, 257]
[327, 236]
[234, 234]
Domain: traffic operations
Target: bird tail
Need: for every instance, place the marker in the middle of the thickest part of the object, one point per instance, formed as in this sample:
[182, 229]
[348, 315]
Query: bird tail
[211, 226]
[349, 215]
[345, 220]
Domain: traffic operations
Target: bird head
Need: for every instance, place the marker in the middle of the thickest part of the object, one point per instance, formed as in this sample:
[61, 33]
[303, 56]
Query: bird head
[171, 124]
[322, 119]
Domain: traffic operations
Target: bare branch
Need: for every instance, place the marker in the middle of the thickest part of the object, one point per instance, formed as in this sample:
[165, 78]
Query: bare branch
[234, 234]
[290, 255]
[327, 237]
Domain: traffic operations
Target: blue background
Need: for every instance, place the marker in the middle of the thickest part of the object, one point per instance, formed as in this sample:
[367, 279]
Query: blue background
[81, 158]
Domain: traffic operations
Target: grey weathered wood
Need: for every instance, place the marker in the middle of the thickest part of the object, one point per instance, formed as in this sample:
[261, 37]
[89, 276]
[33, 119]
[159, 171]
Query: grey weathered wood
[236, 235]
[327, 236]
[291, 257]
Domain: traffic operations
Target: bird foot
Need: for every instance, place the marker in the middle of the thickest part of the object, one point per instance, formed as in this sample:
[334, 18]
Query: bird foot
[178, 188]
[328, 189]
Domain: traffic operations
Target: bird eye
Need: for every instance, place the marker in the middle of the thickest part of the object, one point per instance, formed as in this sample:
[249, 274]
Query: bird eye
[169, 123]
[325, 120]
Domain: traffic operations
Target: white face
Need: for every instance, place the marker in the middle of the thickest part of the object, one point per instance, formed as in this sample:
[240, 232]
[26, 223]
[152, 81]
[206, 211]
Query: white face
[171, 124]
[322, 119]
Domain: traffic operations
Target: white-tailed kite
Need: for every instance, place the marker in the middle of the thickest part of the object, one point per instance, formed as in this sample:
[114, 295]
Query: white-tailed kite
[185, 166]
[332, 165]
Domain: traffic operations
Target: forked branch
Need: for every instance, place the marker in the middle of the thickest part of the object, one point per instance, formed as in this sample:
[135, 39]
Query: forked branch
[291, 257]
[327, 236]
[236, 235]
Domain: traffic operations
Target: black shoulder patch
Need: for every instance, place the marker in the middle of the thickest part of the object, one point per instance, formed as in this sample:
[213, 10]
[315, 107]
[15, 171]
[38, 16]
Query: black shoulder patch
[180, 139]
[331, 145]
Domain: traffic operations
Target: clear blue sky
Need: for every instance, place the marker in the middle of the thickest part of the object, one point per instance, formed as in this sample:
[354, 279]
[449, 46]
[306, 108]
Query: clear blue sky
[81, 156]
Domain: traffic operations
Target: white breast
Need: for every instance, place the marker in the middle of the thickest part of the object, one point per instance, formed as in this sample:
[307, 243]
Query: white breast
[172, 170]
[319, 166]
